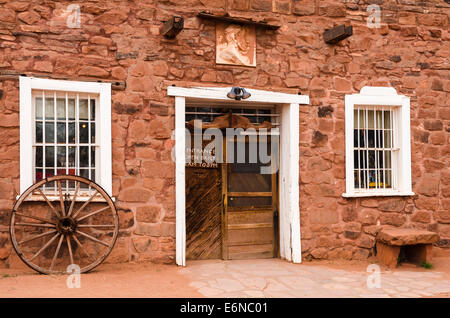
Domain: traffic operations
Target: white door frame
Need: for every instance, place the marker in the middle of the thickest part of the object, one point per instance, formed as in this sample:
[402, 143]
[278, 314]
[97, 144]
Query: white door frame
[289, 225]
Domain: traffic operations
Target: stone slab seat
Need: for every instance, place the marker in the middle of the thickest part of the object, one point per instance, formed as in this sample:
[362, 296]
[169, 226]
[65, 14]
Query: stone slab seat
[415, 244]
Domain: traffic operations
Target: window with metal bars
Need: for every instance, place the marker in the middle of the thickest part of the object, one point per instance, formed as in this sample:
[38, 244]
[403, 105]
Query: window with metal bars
[64, 135]
[373, 146]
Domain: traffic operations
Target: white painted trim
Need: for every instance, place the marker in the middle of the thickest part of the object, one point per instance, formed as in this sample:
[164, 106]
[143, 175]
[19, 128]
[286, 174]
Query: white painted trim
[381, 96]
[180, 190]
[220, 93]
[290, 239]
[289, 214]
[27, 84]
[26, 135]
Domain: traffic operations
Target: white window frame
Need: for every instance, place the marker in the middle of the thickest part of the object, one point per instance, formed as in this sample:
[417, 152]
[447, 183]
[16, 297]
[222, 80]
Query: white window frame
[103, 138]
[401, 161]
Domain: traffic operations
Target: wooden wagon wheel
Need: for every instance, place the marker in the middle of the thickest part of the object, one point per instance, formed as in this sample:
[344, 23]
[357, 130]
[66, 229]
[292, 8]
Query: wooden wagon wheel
[64, 220]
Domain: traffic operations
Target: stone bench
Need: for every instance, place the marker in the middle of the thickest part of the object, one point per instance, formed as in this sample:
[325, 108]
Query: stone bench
[414, 245]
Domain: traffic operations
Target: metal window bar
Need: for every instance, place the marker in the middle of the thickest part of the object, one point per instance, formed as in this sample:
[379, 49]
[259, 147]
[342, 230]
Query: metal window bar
[359, 159]
[44, 150]
[393, 175]
[67, 137]
[55, 137]
[89, 141]
[366, 145]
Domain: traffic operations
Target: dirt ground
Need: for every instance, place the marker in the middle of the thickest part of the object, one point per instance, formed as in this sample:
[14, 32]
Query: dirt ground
[152, 280]
[107, 280]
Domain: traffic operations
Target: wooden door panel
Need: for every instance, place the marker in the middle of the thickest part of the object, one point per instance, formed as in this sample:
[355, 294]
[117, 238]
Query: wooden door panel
[250, 217]
[262, 235]
[203, 213]
[251, 251]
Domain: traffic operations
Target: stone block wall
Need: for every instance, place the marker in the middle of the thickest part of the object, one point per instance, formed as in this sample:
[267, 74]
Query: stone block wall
[120, 41]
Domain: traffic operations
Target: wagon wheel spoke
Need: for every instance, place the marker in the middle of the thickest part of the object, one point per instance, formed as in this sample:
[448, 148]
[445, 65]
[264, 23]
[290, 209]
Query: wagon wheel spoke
[61, 199]
[85, 204]
[92, 238]
[57, 252]
[48, 202]
[37, 218]
[35, 224]
[36, 237]
[100, 226]
[74, 198]
[69, 247]
[82, 248]
[93, 213]
[44, 247]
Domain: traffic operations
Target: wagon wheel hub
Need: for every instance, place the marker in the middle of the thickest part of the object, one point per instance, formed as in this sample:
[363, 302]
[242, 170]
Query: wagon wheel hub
[66, 225]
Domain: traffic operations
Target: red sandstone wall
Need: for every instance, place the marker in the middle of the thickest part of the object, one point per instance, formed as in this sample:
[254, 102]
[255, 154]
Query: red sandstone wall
[120, 40]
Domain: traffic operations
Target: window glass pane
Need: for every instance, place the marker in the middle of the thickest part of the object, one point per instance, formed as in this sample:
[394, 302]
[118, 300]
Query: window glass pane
[85, 174]
[370, 119]
[49, 156]
[362, 138]
[372, 182]
[83, 109]
[50, 132]
[93, 133]
[387, 139]
[93, 175]
[355, 159]
[380, 159]
[71, 133]
[84, 133]
[249, 201]
[61, 108]
[388, 175]
[363, 158]
[387, 119]
[387, 159]
[71, 109]
[61, 156]
[72, 156]
[38, 156]
[379, 119]
[363, 179]
[356, 178]
[49, 108]
[371, 138]
[49, 173]
[39, 175]
[39, 131]
[92, 156]
[371, 159]
[355, 118]
[84, 156]
[362, 118]
[61, 132]
[38, 108]
[92, 109]
[379, 138]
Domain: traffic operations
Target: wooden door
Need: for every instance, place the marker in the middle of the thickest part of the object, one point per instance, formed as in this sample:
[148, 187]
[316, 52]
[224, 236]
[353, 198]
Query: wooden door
[203, 213]
[250, 206]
